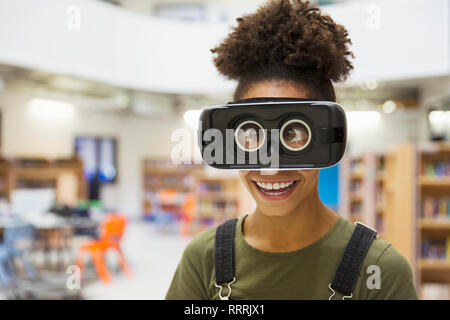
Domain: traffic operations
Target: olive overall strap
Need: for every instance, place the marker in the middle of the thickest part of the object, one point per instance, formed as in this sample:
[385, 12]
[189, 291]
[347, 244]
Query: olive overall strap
[224, 256]
[352, 260]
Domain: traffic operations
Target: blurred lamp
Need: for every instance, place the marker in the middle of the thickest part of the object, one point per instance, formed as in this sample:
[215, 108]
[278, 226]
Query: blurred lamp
[371, 84]
[439, 117]
[51, 109]
[439, 121]
[389, 106]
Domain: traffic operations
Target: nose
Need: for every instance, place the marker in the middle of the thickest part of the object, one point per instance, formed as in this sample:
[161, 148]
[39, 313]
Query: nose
[268, 172]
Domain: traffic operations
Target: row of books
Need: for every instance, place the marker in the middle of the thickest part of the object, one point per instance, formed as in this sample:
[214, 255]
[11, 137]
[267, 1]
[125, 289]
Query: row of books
[437, 249]
[436, 208]
[356, 208]
[436, 168]
[355, 185]
[169, 181]
[209, 186]
[164, 164]
[357, 165]
[380, 164]
[209, 207]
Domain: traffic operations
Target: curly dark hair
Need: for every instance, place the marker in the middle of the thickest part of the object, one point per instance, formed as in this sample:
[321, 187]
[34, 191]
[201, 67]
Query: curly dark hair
[286, 40]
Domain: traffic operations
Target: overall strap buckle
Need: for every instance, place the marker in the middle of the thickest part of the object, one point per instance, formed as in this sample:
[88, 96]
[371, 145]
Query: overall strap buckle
[224, 257]
[229, 290]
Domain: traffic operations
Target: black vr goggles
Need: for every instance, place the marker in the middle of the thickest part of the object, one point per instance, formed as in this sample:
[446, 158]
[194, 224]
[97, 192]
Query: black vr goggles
[277, 133]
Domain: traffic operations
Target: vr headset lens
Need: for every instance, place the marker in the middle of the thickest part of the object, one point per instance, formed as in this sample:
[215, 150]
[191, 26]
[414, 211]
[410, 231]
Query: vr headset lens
[249, 136]
[295, 135]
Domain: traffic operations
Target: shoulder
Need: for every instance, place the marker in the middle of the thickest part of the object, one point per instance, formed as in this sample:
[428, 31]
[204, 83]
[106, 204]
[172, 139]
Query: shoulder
[376, 249]
[387, 273]
[391, 261]
[192, 276]
[384, 255]
[202, 245]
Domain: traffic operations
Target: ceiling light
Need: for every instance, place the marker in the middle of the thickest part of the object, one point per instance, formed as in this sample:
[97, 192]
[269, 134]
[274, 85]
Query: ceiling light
[362, 119]
[389, 106]
[439, 117]
[371, 83]
[51, 109]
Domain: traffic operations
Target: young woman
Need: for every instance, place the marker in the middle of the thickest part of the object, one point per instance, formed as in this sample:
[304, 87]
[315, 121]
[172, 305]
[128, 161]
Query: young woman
[291, 245]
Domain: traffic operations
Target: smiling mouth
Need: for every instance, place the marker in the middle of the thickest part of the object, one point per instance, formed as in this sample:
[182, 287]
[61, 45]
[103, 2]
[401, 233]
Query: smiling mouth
[275, 190]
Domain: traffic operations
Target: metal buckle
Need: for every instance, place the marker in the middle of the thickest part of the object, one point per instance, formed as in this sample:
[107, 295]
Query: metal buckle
[229, 289]
[334, 292]
[365, 225]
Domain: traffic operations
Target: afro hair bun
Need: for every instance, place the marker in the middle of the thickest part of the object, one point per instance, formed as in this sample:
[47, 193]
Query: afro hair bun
[287, 33]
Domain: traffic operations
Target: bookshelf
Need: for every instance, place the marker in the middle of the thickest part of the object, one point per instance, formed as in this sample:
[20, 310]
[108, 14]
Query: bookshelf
[5, 181]
[381, 162]
[400, 196]
[196, 196]
[357, 185]
[63, 175]
[380, 188]
[410, 188]
[433, 201]
[165, 185]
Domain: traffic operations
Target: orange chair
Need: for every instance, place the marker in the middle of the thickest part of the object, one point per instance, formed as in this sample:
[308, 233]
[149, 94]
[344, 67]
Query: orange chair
[187, 215]
[111, 232]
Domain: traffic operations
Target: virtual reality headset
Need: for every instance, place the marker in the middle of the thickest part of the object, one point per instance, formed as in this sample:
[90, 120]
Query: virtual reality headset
[273, 133]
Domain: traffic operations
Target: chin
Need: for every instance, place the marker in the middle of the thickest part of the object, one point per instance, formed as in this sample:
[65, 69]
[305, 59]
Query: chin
[275, 212]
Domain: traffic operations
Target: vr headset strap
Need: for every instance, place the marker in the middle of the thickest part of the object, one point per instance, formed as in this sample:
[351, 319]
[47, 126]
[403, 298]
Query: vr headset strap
[352, 260]
[224, 252]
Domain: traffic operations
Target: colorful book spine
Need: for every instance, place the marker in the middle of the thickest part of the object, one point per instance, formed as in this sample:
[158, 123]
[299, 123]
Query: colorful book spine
[436, 168]
[438, 249]
[436, 208]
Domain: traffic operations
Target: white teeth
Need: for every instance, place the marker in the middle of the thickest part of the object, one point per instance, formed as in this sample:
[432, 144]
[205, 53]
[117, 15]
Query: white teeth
[274, 186]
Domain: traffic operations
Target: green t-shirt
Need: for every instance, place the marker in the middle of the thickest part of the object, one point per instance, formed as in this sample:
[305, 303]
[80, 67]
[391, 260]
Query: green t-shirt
[301, 274]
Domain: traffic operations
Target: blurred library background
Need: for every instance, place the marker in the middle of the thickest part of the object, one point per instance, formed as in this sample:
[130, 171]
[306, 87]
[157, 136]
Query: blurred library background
[91, 93]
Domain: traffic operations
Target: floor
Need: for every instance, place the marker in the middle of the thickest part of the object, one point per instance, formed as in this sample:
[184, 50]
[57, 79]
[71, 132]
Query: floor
[153, 255]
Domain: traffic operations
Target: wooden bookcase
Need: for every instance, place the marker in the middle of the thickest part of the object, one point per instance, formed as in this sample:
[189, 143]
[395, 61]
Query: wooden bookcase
[399, 207]
[433, 201]
[404, 189]
[59, 174]
[381, 188]
[173, 182]
[357, 202]
[195, 195]
[381, 179]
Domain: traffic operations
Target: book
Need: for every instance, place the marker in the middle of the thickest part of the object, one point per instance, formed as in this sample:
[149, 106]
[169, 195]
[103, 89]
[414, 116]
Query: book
[436, 208]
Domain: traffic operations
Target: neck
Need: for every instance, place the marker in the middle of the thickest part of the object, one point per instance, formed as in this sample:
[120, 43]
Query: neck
[306, 224]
